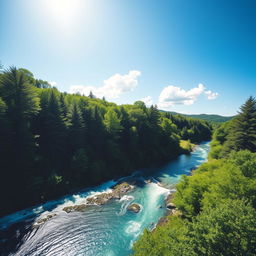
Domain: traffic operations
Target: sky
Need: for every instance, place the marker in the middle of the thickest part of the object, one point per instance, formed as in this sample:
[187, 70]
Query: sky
[188, 56]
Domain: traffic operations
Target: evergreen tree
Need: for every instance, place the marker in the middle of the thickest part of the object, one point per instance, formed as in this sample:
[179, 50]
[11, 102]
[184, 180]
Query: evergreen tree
[154, 116]
[19, 95]
[91, 95]
[52, 131]
[63, 109]
[242, 134]
[21, 106]
[76, 139]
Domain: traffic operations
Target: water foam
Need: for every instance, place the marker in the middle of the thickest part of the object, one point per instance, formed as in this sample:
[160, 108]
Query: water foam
[55, 206]
[126, 198]
[133, 227]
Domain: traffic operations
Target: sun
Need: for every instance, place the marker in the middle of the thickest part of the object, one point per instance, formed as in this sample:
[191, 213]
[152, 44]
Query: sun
[63, 13]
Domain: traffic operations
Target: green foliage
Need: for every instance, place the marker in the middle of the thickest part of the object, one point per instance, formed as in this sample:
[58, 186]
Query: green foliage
[242, 134]
[141, 105]
[112, 123]
[237, 134]
[169, 239]
[18, 94]
[229, 229]
[54, 179]
[20, 104]
[168, 126]
[2, 107]
[216, 180]
[191, 129]
[186, 146]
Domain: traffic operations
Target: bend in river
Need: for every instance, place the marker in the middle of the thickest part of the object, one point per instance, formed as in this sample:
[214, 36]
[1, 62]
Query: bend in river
[106, 230]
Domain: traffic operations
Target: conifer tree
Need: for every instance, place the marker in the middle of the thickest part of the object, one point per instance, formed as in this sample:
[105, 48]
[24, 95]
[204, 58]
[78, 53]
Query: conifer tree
[63, 108]
[76, 130]
[242, 134]
[91, 95]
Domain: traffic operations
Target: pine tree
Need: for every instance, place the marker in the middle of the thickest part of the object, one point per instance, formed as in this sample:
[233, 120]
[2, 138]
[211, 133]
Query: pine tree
[52, 130]
[21, 106]
[243, 130]
[76, 138]
[154, 116]
[91, 95]
[19, 95]
[63, 108]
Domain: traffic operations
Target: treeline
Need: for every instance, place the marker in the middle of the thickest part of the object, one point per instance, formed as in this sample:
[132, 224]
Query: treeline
[216, 119]
[217, 203]
[53, 142]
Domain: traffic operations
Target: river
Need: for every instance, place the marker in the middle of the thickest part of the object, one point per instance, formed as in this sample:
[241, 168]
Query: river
[107, 230]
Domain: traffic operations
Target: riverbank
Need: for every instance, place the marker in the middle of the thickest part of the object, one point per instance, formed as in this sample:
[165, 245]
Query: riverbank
[123, 186]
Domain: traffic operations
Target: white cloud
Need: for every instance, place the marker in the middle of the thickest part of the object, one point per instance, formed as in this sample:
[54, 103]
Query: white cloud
[52, 83]
[147, 100]
[112, 87]
[173, 95]
[211, 95]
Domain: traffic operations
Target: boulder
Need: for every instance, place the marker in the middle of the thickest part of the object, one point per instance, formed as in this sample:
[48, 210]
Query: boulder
[75, 208]
[43, 220]
[134, 208]
[117, 192]
[171, 206]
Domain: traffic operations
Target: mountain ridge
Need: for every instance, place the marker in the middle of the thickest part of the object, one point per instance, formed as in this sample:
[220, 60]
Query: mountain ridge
[207, 117]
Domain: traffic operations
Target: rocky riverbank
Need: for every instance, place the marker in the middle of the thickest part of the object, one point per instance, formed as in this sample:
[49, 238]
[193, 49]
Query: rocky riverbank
[116, 192]
[171, 210]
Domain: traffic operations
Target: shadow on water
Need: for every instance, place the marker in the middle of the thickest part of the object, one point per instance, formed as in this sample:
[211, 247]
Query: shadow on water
[12, 237]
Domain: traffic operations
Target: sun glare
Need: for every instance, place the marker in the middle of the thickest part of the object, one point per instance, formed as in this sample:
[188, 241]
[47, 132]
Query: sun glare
[64, 13]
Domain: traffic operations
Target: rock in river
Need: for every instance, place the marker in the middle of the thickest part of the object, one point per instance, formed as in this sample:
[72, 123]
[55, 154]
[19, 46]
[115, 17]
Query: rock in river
[77, 208]
[134, 208]
[43, 220]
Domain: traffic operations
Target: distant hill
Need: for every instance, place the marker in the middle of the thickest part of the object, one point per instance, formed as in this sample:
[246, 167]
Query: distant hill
[206, 117]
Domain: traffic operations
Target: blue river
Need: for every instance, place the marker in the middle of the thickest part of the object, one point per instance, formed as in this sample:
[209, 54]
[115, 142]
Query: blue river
[107, 230]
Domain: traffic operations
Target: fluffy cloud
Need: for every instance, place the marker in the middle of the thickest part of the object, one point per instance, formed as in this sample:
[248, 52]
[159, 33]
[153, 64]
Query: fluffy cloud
[112, 87]
[211, 95]
[173, 95]
[147, 100]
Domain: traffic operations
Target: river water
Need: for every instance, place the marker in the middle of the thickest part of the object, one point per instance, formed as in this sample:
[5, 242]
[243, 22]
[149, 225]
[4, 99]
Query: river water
[107, 230]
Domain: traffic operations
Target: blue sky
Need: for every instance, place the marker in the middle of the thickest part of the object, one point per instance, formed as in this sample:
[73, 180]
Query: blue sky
[188, 56]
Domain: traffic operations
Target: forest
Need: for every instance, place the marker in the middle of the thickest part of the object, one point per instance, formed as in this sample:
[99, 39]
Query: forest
[53, 143]
[216, 205]
[210, 118]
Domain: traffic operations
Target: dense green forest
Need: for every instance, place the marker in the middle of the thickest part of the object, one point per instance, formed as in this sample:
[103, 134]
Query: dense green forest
[207, 117]
[54, 142]
[216, 205]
